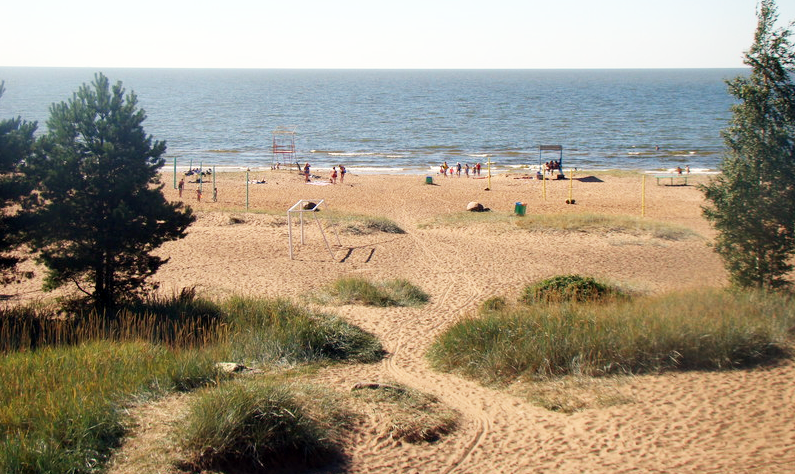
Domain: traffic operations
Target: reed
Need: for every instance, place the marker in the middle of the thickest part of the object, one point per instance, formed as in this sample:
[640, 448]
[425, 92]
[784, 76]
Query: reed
[706, 329]
[180, 320]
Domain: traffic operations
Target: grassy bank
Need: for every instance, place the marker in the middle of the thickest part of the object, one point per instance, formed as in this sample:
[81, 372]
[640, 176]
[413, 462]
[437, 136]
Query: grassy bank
[67, 378]
[707, 329]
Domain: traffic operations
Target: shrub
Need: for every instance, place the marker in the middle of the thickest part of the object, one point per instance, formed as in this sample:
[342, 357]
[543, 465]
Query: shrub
[568, 288]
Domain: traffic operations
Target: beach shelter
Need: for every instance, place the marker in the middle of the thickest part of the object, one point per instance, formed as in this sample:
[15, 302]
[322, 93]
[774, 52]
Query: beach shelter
[558, 162]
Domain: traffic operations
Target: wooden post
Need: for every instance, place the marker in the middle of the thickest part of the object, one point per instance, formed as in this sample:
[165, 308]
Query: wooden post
[643, 197]
[571, 183]
[247, 191]
[489, 164]
[544, 186]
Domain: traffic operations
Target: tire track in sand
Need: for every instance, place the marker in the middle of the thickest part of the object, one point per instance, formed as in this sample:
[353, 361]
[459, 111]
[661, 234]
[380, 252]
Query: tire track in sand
[406, 364]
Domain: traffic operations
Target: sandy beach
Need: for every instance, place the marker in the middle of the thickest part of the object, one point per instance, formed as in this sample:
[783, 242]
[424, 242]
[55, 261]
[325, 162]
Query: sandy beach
[733, 421]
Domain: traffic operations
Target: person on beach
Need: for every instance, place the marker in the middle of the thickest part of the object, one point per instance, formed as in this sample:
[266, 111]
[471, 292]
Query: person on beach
[444, 169]
[306, 173]
[181, 186]
[466, 169]
[678, 170]
[333, 177]
[199, 194]
[477, 169]
[687, 169]
[458, 169]
[342, 173]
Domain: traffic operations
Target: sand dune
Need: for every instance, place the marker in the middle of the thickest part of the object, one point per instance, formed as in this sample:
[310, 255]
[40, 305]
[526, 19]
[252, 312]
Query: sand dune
[737, 421]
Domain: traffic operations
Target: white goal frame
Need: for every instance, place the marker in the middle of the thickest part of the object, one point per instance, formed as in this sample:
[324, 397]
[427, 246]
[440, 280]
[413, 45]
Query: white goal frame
[298, 208]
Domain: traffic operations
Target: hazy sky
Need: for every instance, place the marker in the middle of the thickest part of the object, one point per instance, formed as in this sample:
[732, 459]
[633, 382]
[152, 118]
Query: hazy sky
[380, 33]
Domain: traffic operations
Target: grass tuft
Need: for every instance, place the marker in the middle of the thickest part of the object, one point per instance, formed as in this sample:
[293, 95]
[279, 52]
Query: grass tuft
[354, 290]
[411, 415]
[252, 423]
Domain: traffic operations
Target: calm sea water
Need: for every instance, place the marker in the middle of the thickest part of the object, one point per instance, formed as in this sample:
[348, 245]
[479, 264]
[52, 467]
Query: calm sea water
[412, 120]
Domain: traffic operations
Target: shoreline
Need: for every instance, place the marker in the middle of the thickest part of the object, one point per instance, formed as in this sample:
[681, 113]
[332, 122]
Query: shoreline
[376, 171]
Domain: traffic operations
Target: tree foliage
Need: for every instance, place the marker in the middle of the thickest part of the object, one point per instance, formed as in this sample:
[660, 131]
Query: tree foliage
[16, 146]
[99, 210]
[752, 202]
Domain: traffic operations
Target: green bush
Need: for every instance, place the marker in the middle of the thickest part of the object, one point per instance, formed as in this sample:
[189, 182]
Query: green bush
[568, 288]
[252, 423]
[697, 330]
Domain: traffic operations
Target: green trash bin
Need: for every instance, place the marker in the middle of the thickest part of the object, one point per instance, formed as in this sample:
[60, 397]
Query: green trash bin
[520, 208]
[429, 180]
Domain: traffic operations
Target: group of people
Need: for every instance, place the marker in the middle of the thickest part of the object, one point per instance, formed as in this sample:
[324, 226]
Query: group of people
[552, 165]
[444, 169]
[332, 176]
[181, 187]
[198, 171]
[686, 170]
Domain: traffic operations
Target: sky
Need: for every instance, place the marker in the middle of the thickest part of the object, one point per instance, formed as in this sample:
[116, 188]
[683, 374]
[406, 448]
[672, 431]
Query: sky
[380, 34]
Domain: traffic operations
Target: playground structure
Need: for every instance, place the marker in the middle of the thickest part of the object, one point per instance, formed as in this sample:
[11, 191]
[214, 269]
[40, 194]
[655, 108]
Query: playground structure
[283, 146]
[559, 164]
[301, 207]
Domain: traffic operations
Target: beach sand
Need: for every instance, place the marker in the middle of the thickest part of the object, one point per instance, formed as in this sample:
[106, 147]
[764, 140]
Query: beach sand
[733, 421]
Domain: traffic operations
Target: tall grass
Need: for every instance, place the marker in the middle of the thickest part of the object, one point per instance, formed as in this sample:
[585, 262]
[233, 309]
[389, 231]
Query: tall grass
[67, 378]
[61, 408]
[281, 331]
[182, 320]
[706, 329]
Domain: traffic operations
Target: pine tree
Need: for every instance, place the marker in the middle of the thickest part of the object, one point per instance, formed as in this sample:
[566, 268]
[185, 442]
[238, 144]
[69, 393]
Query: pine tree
[101, 211]
[752, 202]
[16, 146]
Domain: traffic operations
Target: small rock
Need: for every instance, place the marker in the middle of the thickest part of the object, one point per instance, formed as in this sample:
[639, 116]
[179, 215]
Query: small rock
[230, 367]
[475, 207]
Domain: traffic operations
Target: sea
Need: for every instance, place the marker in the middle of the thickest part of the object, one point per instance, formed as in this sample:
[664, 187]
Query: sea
[410, 121]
